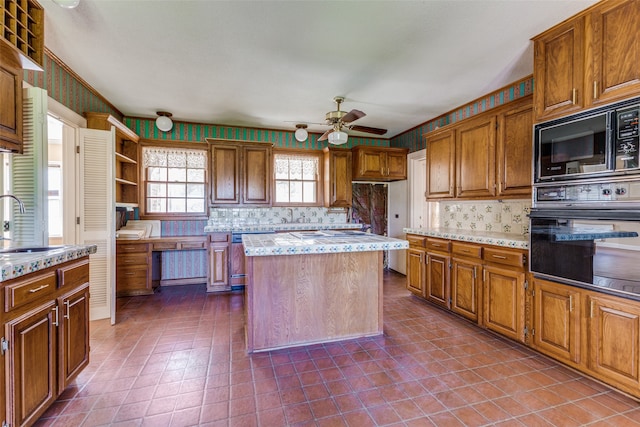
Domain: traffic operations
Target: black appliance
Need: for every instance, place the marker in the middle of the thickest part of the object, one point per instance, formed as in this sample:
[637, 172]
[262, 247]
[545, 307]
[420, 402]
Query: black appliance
[598, 143]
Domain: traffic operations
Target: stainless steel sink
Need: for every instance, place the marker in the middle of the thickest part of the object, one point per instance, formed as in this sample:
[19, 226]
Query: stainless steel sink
[29, 249]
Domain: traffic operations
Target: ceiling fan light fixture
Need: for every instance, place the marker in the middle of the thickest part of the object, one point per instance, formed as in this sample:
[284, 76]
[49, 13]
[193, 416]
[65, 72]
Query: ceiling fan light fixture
[301, 133]
[67, 4]
[338, 137]
[164, 122]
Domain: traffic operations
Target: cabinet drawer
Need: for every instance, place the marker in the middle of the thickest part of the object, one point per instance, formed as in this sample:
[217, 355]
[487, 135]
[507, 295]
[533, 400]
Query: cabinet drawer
[131, 247]
[166, 246]
[26, 291]
[504, 256]
[138, 259]
[466, 249]
[74, 275]
[220, 237]
[418, 241]
[193, 245]
[132, 273]
[438, 245]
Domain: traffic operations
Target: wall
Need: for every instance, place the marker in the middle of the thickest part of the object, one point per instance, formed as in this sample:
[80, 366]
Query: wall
[412, 139]
[508, 216]
[275, 215]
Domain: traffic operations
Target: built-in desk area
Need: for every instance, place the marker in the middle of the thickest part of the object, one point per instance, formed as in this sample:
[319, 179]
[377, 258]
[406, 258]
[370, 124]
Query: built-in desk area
[139, 261]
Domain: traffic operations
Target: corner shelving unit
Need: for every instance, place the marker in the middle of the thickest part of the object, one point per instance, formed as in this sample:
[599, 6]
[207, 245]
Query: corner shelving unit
[126, 157]
[22, 26]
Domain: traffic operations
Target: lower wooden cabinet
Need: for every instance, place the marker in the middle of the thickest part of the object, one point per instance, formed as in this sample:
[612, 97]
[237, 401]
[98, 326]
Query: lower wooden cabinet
[437, 274]
[556, 320]
[466, 285]
[504, 301]
[133, 269]
[45, 338]
[416, 259]
[219, 249]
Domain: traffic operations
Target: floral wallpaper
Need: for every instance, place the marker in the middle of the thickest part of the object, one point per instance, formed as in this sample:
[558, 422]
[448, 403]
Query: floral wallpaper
[509, 216]
[258, 216]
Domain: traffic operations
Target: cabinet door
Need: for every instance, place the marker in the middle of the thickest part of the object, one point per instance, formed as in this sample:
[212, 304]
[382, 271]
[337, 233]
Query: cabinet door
[614, 331]
[438, 279]
[440, 165]
[337, 182]
[504, 301]
[556, 320]
[396, 165]
[218, 267]
[475, 158]
[225, 175]
[465, 278]
[370, 164]
[257, 176]
[31, 364]
[614, 35]
[515, 151]
[11, 106]
[416, 271]
[558, 70]
[73, 347]
[237, 269]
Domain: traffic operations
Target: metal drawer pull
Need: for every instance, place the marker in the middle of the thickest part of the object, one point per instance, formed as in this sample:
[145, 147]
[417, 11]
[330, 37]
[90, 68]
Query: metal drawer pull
[66, 314]
[33, 291]
[55, 322]
[499, 256]
[436, 245]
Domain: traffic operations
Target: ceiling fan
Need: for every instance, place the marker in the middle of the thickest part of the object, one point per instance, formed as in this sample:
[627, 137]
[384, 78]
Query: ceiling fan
[339, 119]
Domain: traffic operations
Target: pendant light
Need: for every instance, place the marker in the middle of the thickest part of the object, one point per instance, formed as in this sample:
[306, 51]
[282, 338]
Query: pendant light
[338, 137]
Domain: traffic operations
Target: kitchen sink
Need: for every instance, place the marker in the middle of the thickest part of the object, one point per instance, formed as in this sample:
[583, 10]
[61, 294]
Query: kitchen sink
[29, 249]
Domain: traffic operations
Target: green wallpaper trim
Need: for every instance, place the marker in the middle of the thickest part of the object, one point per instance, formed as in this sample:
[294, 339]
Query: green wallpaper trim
[197, 132]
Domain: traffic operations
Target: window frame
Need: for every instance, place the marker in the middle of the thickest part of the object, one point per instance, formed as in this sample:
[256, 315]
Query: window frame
[319, 154]
[143, 180]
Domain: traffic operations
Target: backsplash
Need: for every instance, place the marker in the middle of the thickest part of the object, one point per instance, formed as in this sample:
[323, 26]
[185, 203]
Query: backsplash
[277, 215]
[509, 216]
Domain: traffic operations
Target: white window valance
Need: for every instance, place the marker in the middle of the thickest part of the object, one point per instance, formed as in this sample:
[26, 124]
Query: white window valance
[174, 158]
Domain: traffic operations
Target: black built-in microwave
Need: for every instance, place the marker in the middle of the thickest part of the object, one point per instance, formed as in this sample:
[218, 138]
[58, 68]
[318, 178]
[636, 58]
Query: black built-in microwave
[592, 144]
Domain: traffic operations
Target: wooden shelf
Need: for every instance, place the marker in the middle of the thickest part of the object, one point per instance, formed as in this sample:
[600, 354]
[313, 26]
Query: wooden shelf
[124, 159]
[22, 26]
[125, 182]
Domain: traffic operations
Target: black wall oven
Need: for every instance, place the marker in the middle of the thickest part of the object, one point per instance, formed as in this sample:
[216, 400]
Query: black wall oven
[591, 248]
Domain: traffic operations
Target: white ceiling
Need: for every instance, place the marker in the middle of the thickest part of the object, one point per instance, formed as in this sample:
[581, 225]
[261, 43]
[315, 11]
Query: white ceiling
[272, 63]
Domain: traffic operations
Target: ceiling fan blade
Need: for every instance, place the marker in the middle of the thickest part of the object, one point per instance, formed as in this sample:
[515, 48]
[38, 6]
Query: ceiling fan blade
[352, 115]
[367, 129]
[325, 135]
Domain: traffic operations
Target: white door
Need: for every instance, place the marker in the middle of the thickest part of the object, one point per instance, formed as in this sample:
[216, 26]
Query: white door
[418, 207]
[97, 216]
[396, 221]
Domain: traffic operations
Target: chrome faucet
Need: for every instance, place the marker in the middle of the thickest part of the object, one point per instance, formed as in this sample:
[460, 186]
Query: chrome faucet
[20, 202]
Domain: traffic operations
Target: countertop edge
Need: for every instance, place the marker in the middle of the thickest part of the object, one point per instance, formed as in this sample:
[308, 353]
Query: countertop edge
[497, 239]
[17, 265]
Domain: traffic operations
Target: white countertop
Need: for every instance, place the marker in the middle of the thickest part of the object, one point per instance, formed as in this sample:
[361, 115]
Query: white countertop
[291, 226]
[14, 265]
[510, 240]
[318, 242]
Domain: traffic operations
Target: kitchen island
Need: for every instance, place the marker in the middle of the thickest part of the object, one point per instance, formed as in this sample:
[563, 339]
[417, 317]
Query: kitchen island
[312, 287]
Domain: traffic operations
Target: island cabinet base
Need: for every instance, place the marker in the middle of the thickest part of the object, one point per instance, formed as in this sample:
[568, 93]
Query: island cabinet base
[294, 300]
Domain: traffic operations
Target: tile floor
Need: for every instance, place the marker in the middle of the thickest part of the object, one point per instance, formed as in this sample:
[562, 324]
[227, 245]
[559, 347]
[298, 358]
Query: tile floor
[176, 359]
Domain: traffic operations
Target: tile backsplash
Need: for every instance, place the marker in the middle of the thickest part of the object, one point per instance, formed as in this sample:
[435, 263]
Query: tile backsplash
[505, 216]
[258, 216]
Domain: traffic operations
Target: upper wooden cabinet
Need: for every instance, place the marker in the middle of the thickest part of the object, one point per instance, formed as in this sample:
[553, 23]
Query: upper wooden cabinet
[126, 157]
[588, 60]
[11, 100]
[337, 177]
[22, 26]
[488, 156]
[241, 174]
[441, 165]
[475, 158]
[379, 163]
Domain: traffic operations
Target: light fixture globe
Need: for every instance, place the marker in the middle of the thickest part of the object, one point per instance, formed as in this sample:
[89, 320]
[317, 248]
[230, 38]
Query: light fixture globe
[67, 4]
[301, 133]
[163, 122]
[337, 137]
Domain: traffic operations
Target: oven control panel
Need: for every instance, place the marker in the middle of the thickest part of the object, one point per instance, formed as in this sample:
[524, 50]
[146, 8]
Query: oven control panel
[621, 192]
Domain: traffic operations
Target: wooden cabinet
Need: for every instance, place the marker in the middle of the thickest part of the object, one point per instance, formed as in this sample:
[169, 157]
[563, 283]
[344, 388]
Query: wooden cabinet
[379, 163]
[588, 60]
[416, 265]
[46, 337]
[514, 152]
[126, 157]
[488, 156]
[466, 280]
[22, 28]
[133, 269]
[504, 291]
[11, 101]
[475, 158]
[337, 177]
[438, 264]
[614, 341]
[556, 320]
[241, 174]
[441, 165]
[219, 252]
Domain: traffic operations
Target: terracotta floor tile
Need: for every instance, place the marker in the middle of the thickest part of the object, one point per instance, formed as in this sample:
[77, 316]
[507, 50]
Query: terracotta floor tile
[177, 358]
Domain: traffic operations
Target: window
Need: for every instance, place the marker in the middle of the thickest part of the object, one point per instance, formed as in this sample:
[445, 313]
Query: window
[175, 180]
[297, 178]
